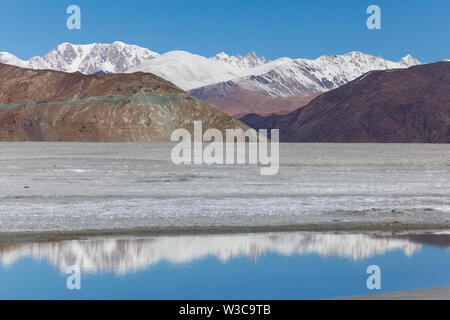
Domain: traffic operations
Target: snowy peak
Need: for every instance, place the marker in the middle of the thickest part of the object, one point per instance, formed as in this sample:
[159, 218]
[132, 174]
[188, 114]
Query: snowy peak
[189, 71]
[249, 61]
[279, 78]
[8, 58]
[409, 61]
[117, 57]
[303, 77]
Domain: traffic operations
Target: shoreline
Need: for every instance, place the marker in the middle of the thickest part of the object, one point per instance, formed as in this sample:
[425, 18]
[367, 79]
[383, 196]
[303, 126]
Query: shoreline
[435, 293]
[61, 235]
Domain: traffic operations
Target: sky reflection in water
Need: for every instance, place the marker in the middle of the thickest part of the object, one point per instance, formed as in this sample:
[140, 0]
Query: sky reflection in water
[253, 266]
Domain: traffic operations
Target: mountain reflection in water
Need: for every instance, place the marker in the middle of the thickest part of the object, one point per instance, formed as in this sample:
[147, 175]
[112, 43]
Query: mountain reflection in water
[122, 256]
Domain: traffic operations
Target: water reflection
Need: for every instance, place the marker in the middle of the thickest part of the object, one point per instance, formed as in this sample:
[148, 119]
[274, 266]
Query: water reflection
[123, 256]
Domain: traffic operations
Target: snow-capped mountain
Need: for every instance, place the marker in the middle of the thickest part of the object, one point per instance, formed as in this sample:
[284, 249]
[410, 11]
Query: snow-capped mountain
[219, 75]
[302, 77]
[184, 69]
[408, 61]
[117, 57]
[280, 78]
[189, 71]
[8, 58]
[249, 61]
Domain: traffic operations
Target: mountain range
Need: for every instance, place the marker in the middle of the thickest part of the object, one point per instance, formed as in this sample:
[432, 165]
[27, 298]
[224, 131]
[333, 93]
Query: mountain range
[222, 79]
[302, 77]
[349, 98]
[400, 105]
[117, 57]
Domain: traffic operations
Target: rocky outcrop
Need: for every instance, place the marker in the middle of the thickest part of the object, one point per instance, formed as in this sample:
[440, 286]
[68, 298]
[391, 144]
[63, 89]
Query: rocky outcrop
[44, 105]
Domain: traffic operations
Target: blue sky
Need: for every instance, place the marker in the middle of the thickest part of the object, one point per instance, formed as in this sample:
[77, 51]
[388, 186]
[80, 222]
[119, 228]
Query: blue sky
[292, 28]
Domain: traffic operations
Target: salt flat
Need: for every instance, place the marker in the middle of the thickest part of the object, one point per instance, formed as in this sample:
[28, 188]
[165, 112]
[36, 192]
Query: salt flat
[96, 187]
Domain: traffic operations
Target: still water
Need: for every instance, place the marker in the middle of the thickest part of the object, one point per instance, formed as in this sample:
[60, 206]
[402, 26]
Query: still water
[244, 266]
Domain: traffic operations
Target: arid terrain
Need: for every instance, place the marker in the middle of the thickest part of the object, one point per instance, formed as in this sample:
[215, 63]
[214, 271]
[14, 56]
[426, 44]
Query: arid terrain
[245, 102]
[391, 106]
[44, 105]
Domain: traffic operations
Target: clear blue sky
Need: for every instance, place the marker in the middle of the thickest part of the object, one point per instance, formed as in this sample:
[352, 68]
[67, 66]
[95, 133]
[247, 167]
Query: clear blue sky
[291, 28]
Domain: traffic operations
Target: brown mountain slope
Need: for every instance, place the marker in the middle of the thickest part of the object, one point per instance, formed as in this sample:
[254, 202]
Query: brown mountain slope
[245, 102]
[44, 105]
[402, 105]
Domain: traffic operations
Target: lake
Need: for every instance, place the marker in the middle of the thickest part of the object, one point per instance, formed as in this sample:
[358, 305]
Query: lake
[241, 266]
